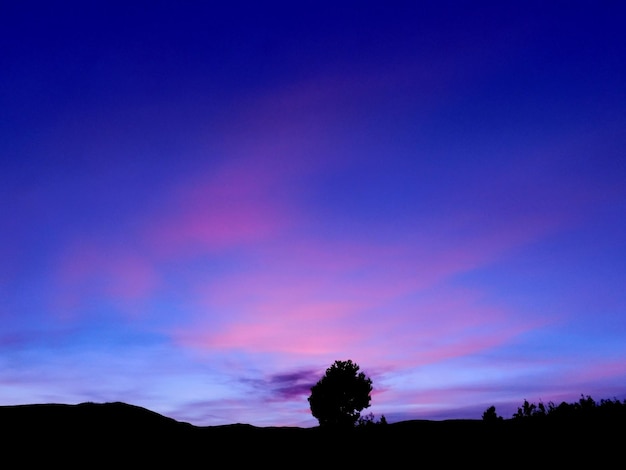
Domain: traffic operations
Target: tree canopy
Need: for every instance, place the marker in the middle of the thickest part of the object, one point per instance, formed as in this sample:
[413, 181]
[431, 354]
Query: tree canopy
[338, 398]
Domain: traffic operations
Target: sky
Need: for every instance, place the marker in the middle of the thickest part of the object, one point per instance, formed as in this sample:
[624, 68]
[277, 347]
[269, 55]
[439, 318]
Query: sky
[203, 205]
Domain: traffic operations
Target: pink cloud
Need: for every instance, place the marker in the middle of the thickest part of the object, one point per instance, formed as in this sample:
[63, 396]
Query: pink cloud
[305, 328]
[239, 203]
[89, 272]
[294, 280]
[373, 313]
[308, 295]
[233, 206]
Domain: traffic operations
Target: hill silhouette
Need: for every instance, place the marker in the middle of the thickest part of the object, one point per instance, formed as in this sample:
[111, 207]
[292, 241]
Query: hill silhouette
[123, 435]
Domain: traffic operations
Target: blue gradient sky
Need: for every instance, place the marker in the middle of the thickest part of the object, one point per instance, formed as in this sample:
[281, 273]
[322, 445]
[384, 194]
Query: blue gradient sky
[204, 205]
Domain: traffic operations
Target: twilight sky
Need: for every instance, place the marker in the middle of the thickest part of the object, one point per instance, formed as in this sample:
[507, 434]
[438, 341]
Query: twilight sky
[204, 204]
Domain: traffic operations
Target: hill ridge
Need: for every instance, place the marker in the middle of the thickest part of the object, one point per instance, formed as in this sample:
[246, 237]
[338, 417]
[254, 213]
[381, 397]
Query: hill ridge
[116, 432]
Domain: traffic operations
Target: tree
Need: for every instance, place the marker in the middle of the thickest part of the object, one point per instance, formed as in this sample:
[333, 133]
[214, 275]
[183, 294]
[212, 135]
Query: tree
[491, 416]
[525, 411]
[369, 421]
[340, 395]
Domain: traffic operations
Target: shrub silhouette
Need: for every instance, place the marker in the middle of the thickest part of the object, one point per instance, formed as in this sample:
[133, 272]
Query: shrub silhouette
[526, 410]
[585, 408]
[369, 420]
[339, 397]
[491, 416]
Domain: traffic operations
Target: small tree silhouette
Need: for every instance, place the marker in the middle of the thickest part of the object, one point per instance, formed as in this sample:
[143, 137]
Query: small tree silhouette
[491, 416]
[339, 397]
[369, 421]
[525, 411]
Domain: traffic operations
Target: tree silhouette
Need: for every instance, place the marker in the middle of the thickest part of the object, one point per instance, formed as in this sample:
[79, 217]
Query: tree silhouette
[369, 421]
[491, 416]
[526, 410]
[339, 397]
[585, 408]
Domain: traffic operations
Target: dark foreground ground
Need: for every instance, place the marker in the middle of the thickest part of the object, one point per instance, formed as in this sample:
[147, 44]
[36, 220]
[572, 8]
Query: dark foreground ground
[117, 435]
